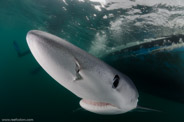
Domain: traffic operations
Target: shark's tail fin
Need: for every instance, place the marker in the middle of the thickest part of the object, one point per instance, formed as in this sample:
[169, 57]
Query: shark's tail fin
[144, 109]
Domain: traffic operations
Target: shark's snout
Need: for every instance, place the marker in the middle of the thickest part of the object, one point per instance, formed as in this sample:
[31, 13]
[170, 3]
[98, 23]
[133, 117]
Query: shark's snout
[31, 36]
[34, 41]
[35, 37]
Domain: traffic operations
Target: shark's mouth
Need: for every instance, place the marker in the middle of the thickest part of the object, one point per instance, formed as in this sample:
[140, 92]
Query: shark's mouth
[99, 107]
[95, 103]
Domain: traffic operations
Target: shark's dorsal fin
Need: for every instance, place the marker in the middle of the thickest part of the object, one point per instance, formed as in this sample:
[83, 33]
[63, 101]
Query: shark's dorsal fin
[77, 70]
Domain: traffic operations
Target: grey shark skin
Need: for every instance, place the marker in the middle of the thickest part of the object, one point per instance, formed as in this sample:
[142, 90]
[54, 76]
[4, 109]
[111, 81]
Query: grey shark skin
[102, 89]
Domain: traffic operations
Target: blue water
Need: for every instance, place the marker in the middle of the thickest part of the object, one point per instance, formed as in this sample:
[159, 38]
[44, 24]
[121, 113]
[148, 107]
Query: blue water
[100, 28]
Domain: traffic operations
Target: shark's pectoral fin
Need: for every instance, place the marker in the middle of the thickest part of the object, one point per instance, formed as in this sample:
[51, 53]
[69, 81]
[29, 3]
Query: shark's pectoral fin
[77, 70]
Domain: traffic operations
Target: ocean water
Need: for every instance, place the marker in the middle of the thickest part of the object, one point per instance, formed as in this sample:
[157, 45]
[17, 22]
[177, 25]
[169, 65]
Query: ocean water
[99, 27]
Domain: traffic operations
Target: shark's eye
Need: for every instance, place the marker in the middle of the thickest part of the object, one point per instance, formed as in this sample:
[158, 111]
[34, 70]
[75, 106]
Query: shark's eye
[116, 81]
